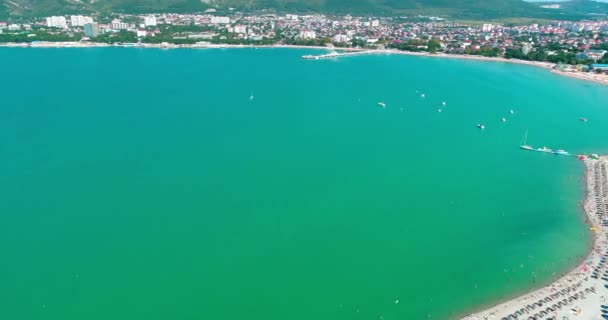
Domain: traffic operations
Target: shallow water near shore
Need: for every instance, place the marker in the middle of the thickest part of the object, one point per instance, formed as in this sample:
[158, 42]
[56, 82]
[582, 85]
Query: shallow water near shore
[147, 184]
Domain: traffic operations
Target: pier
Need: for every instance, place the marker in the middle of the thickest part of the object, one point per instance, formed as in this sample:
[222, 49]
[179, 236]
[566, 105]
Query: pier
[560, 152]
[334, 54]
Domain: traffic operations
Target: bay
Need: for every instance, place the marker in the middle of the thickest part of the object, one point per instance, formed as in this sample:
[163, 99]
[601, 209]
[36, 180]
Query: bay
[146, 184]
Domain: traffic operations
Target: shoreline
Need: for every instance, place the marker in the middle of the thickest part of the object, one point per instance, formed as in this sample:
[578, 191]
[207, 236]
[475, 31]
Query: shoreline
[585, 76]
[597, 246]
[590, 293]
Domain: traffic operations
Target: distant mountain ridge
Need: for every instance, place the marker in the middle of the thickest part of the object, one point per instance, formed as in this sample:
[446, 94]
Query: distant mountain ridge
[586, 7]
[463, 9]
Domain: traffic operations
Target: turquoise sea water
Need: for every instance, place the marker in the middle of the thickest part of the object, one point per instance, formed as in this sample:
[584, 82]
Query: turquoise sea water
[145, 184]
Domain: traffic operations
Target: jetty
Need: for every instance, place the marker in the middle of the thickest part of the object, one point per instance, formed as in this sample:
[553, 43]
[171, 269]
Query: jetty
[559, 152]
[335, 54]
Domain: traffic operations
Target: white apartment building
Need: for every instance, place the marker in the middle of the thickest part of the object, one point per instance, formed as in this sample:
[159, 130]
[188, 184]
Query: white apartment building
[341, 38]
[220, 20]
[119, 25]
[308, 34]
[487, 27]
[80, 21]
[150, 21]
[240, 29]
[56, 22]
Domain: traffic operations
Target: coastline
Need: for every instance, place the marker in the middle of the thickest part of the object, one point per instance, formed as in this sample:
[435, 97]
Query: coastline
[586, 76]
[580, 263]
[582, 294]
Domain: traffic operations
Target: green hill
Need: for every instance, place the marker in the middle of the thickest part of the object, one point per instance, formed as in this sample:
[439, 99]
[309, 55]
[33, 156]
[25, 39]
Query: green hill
[475, 9]
[582, 7]
[462, 9]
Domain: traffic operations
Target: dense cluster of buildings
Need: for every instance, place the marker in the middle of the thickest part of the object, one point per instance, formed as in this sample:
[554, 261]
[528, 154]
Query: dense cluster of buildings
[586, 39]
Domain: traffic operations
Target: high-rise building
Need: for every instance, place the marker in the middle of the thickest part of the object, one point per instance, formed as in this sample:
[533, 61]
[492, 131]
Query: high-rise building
[526, 48]
[487, 27]
[79, 21]
[56, 22]
[150, 21]
[91, 30]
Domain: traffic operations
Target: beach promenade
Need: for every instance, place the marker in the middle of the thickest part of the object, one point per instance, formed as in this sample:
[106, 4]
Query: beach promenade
[586, 76]
[580, 293]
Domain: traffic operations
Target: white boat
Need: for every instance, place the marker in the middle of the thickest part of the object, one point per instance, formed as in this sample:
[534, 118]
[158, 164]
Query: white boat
[423, 95]
[562, 152]
[439, 110]
[544, 149]
[504, 119]
[382, 104]
[443, 103]
[523, 144]
[481, 126]
[250, 97]
[583, 119]
[511, 111]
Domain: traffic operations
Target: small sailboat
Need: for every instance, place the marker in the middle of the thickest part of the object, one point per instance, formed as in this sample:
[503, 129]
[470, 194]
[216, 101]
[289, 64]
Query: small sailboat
[251, 97]
[423, 95]
[481, 126]
[583, 119]
[511, 111]
[382, 104]
[562, 152]
[443, 104]
[504, 119]
[523, 144]
[439, 110]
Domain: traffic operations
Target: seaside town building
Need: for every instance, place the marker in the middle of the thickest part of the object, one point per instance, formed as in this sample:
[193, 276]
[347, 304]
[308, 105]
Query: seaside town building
[80, 21]
[150, 21]
[56, 22]
[119, 25]
[567, 42]
[307, 34]
[91, 29]
[220, 20]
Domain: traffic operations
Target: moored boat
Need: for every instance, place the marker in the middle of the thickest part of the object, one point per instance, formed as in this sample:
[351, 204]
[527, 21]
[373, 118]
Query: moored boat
[523, 144]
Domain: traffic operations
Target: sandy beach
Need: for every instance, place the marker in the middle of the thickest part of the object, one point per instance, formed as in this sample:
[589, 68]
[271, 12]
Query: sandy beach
[580, 293]
[587, 76]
